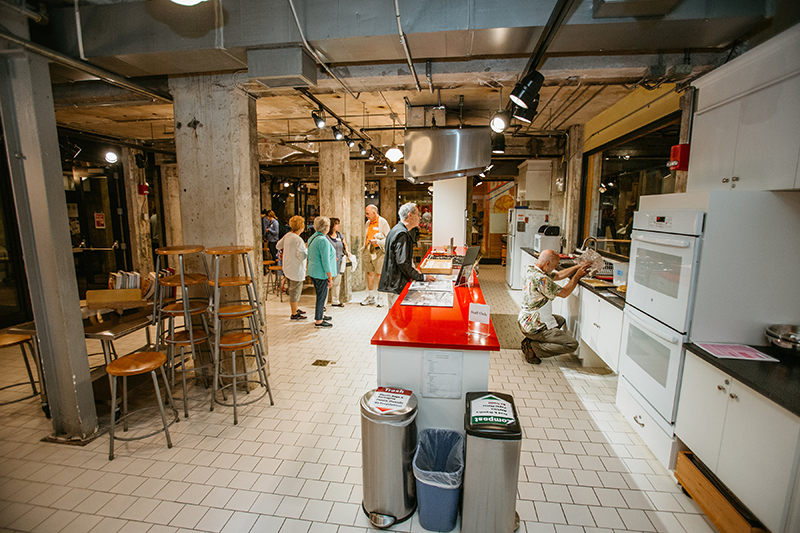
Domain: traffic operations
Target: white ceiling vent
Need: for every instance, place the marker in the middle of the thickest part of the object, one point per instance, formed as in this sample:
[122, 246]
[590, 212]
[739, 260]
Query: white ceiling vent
[282, 67]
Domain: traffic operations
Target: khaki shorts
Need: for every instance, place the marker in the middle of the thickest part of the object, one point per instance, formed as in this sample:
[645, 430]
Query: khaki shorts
[294, 289]
[371, 265]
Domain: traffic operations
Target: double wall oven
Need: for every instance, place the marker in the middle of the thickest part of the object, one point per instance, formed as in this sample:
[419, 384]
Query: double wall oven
[664, 258]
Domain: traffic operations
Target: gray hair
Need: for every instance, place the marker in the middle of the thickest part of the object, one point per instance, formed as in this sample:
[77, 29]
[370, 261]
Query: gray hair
[322, 224]
[405, 210]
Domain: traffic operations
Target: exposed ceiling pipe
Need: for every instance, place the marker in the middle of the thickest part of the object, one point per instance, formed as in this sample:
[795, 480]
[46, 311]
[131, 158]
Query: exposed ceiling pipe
[104, 75]
[79, 30]
[39, 17]
[602, 88]
[572, 98]
[405, 47]
[314, 52]
[545, 106]
[429, 75]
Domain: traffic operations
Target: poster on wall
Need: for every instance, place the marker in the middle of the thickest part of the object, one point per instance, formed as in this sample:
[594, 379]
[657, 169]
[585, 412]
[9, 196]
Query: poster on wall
[501, 199]
[100, 221]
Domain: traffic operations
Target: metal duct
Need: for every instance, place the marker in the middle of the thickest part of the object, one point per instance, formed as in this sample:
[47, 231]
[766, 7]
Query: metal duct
[282, 67]
[438, 154]
[632, 8]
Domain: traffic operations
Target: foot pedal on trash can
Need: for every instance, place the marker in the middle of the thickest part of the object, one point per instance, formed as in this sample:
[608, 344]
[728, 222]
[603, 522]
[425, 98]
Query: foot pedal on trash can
[381, 521]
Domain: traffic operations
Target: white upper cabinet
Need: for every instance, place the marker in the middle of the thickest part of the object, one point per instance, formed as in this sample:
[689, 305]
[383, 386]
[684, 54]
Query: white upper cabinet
[745, 134]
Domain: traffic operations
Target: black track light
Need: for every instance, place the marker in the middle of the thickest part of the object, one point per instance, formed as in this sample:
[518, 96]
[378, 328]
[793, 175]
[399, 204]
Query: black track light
[526, 115]
[362, 149]
[500, 121]
[319, 119]
[498, 143]
[371, 154]
[527, 89]
[337, 133]
[349, 140]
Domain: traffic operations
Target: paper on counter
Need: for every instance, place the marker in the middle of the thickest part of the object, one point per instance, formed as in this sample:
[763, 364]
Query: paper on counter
[441, 374]
[736, 351]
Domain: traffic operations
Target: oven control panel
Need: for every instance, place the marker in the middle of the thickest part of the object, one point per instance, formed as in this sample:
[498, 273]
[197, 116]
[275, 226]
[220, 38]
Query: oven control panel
[677, 222]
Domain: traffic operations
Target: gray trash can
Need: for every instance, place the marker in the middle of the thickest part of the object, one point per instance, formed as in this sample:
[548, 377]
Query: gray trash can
[491, 472]
[388, 443]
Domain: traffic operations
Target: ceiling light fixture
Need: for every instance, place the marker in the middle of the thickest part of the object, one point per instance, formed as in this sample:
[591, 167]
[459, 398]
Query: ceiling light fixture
[362, 149]
[394, 169]
[479, 184]
[500, 121]
[371, 154]
[498, 143]
[482, 174]
[394, 154]
[527, 89]
[526, 115]
[111, 157]
[187, 2]
[349, 140]
[286, 184]
[337, 133]
[318, 118]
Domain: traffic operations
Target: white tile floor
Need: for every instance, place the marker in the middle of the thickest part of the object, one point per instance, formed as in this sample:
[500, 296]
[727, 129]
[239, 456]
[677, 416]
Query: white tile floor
[296, 467]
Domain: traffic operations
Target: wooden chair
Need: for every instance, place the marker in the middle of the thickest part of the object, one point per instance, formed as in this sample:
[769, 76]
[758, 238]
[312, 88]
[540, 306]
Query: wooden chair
[9, 340]
[134, 365]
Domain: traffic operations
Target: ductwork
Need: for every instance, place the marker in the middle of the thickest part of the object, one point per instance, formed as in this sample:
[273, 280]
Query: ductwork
[437, 154]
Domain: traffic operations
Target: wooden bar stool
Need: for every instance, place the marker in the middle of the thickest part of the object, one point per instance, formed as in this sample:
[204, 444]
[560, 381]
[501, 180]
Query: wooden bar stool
[246, 308]
[134, 365]
[274, 279]
[182, 340]
[9, 340]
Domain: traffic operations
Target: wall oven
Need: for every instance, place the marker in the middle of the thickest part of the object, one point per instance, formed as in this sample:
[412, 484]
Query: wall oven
[665, 254]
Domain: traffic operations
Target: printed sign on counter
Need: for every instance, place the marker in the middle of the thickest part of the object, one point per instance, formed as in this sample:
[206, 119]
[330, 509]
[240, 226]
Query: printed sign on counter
[442, 373]
[479, 313]
[387, 399]
[491, 410]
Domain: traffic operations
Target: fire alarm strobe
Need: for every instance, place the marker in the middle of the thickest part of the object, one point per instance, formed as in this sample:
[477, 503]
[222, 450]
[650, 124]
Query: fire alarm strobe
[679, 157]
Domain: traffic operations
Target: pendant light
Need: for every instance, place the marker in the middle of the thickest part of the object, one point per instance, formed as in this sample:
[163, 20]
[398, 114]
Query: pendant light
[394, 154]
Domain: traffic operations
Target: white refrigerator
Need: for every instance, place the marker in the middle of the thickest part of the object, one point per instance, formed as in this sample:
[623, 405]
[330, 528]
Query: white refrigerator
[523, 223]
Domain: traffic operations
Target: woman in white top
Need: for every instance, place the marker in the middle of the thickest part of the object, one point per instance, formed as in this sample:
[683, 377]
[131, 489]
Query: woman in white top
[294, 263]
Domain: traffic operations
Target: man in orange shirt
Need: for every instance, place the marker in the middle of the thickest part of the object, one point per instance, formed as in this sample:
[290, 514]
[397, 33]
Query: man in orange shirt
[376, 230]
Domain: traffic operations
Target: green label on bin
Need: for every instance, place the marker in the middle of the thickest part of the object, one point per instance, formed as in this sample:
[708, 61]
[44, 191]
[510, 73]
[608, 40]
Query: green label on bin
[491, 410]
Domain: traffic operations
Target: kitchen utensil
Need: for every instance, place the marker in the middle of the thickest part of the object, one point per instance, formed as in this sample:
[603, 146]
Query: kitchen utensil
[784, 336]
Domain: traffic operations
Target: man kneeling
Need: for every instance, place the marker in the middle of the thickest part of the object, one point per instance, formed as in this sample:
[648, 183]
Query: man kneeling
[542, 329]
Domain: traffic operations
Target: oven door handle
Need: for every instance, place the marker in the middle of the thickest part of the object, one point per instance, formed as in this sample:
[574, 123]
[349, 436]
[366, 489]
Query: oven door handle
[675, 243]
[672, 339]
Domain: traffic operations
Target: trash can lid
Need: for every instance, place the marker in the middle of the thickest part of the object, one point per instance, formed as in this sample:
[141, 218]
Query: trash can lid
[387, 404]
[492, 415]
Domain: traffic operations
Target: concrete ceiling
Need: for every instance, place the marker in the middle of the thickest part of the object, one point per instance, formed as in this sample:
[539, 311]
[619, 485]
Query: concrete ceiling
[476, 53]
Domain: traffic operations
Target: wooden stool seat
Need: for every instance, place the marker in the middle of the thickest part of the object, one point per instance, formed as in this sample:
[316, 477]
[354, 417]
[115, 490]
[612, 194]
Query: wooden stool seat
[8, 340]
[180, 250]
[195, 308]
[229, 250]
[268, 262]
[175, 280]
[235, 311]
[136, 363]
[236, 341]
[275, 268]
[234, 281]
[182, 337]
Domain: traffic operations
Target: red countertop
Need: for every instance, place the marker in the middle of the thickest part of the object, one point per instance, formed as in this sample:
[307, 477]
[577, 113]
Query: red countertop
[437, 327]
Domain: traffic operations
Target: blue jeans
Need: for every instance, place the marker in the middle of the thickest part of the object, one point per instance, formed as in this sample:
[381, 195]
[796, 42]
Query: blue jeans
[321, 288]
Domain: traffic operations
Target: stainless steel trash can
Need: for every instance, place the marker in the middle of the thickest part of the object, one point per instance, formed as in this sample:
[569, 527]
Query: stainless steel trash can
[491, 471]
[388, 443]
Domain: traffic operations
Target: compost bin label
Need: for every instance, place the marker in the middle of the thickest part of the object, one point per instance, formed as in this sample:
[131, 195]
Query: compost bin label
[491, 410]
[387, 399]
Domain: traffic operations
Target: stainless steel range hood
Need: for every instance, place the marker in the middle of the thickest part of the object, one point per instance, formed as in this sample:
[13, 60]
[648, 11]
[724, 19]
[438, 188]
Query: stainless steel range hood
[438, 154]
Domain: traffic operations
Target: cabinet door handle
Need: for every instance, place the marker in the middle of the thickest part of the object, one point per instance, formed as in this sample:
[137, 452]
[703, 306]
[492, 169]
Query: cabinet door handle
[727, 382]
[734, 396]
[720, 387]
[638, 420]
[725, 180]
[735, 178]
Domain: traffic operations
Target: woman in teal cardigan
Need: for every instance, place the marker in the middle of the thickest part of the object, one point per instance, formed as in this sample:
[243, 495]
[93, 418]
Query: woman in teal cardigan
[321, 268]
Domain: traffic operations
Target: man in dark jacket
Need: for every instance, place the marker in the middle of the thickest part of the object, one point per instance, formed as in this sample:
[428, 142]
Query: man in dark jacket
[398, 266]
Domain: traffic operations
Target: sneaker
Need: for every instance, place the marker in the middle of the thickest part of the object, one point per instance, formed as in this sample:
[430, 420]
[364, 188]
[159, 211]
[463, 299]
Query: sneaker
[326, 317]
[323, 324]
[369, 301]
[379, 304]
[297, 316]
[301, 312]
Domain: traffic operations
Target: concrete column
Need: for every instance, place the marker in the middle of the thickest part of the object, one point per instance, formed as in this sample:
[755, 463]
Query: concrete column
[29, 125]
[355, 239]
[215, 142]
[171, 198]
[140, 246]
[334, 183]
[389, 199]
[574, 183]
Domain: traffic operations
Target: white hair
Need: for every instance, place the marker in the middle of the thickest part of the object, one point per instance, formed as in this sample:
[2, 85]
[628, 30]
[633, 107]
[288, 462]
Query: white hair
[322, 224]
[405, 210]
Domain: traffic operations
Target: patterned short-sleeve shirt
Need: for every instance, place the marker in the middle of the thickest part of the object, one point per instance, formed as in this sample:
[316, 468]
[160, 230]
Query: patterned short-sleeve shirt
[538, 289]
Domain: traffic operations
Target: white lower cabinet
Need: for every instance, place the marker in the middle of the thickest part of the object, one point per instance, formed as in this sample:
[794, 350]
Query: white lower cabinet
[648, 424]
[749, 442]
[601, 327]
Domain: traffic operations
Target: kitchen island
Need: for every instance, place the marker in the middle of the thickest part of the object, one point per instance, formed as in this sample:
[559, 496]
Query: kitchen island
[438, 354]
